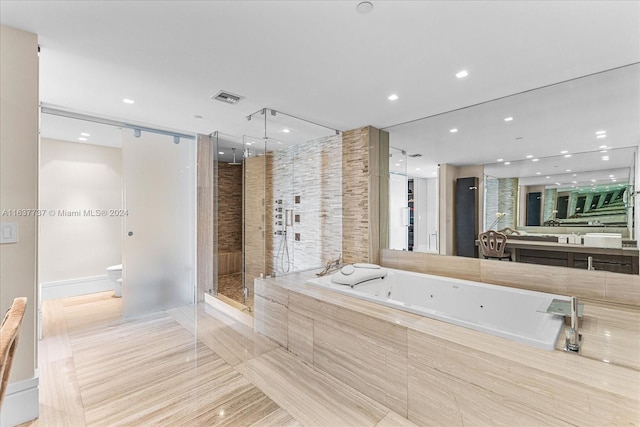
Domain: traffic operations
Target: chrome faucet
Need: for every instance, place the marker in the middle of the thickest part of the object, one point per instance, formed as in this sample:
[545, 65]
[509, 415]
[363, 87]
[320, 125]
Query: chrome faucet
[573, 337]
[331, 266]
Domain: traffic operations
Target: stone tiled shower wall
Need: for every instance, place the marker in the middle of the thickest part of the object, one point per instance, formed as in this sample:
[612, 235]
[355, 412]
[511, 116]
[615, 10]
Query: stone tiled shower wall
[355, 189]
[308, 179]
[254, 188]
[502, 196]
[230, 210]
[550, 195]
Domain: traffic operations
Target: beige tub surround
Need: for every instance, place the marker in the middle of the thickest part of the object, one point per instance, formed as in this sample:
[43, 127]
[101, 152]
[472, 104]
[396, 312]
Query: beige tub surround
[605, 286]
[435, 373]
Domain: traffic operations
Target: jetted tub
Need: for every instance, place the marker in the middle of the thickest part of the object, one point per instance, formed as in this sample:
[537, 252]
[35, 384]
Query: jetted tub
[515, 314]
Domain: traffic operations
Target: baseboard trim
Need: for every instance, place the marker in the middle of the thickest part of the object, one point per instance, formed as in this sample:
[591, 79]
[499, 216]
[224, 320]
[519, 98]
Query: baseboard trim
[231, 311]
[74, 287]
[21, 403]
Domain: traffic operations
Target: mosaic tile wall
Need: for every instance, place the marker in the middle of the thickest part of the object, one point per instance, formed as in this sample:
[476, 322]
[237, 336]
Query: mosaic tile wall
[307, 178]
[230, 210]
[355, 195]
[254, 249]
[550, 195]
[501, 196]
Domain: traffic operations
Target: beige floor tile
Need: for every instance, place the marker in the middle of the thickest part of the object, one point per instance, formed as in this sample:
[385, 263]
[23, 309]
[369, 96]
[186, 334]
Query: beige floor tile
[310, 396]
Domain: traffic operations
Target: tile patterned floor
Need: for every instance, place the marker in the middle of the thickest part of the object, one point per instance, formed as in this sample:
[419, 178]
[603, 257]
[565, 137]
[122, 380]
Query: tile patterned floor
[186, 366]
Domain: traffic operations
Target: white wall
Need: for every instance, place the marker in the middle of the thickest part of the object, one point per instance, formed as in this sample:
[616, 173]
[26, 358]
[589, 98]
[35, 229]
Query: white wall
[78, 177]
[19, 190]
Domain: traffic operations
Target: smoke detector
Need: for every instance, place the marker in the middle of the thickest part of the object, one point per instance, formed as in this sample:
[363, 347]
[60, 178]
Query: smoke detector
[227, 97]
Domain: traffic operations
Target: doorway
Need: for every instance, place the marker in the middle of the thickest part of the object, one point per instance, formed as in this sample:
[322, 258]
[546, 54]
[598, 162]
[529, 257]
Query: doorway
[116, 194]
[533, 208]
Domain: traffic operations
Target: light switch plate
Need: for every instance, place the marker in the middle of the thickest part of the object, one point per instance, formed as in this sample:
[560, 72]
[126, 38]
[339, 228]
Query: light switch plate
[8, 232]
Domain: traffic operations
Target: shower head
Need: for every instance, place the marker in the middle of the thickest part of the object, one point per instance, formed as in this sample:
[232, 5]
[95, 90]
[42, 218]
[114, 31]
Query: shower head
[234, 158]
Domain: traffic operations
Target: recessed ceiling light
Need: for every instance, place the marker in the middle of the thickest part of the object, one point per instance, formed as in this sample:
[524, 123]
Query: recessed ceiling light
[564, 152]
[547, 177]
[392, 97]
[537, 173]
[575, 174]
[557, 183]
[500, 160]
[417, 169]
[461, 74]
[535, 160]
[567, 155]
[508, 119]
[614, 180]
[401, 160]
[568, 170]
[82, 139]
[220, 152]
[611, 176]
[603, 151]
[128, 101]
[286, 130]
[85, 134]
[397, 164]
[507, 163]
[593, 180]
[364, 7]
[601, 132]
[605, 158]
[602, 146]
[454, 130]
[601, 136]
[529, 156]
[574, 182]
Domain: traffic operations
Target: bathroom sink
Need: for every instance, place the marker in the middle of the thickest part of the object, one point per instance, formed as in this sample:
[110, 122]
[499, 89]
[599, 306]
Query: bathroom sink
[603, 240]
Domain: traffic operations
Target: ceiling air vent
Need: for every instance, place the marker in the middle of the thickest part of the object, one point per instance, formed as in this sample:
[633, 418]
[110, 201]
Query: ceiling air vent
[415, 155]
[227, 97]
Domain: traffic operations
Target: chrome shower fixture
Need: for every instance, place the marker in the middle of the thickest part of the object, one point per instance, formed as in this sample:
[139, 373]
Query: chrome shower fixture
[234, 158]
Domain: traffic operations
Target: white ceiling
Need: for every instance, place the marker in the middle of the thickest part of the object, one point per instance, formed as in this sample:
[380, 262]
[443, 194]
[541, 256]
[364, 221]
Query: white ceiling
[319, 60]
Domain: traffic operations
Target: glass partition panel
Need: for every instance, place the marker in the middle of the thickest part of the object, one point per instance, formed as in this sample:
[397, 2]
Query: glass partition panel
[292, 195]
[159, 245]
[305, 173]
[413, 195]
[253, 211]
[400, 201]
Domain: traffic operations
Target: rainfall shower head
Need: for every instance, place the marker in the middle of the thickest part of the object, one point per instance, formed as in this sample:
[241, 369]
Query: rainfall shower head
[234, 158]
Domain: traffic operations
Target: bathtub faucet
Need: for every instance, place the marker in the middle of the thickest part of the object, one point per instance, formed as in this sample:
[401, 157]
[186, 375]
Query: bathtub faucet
[331, 266]
[573, 338]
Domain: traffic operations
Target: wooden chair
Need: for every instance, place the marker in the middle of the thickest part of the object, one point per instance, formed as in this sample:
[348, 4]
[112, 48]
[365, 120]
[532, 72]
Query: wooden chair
[493, 245]
[9, 333]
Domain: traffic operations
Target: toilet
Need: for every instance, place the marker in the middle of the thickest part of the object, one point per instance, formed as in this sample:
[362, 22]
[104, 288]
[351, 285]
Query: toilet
[114, 274]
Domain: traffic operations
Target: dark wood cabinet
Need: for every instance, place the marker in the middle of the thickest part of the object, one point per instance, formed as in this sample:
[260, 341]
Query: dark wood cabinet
[466, 216]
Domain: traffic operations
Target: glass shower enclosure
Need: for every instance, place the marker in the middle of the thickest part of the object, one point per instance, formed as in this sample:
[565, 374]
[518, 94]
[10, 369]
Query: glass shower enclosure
[291, 197]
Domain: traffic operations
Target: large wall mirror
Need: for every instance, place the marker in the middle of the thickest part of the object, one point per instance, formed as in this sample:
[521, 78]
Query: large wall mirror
[560, 158]
[580, 193]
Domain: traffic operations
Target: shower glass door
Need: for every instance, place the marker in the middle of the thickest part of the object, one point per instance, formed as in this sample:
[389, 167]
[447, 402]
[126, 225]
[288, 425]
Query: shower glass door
[159, 226]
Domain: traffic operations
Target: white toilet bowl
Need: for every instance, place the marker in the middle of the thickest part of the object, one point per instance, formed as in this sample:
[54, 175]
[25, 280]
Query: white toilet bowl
[114, 274]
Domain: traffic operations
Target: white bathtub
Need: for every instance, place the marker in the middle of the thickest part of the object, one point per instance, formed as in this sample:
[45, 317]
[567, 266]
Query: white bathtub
[506, 312]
